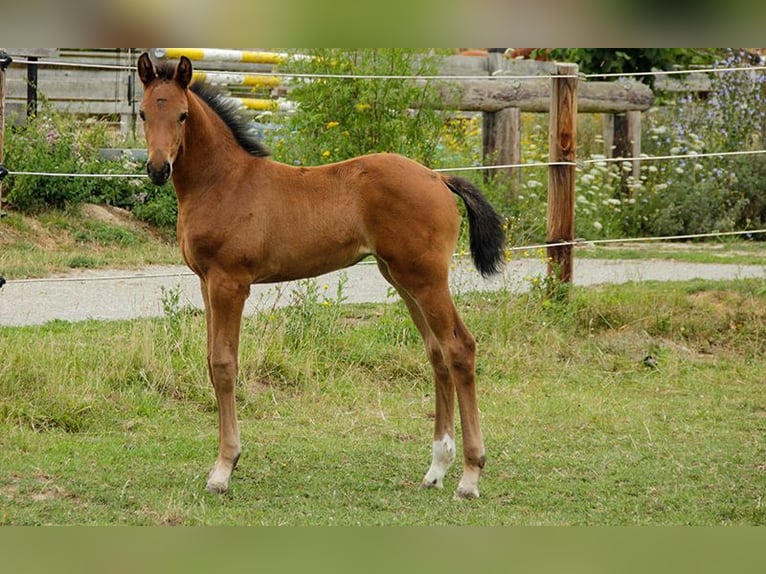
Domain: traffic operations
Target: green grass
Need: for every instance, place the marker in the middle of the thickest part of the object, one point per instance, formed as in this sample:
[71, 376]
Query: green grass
[730, 251]
[115, 422]
[58, 241]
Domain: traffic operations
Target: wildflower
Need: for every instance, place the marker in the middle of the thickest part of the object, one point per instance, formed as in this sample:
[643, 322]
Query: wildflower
[597, 226]
[326, 153]
[362, 107]
[331, 125]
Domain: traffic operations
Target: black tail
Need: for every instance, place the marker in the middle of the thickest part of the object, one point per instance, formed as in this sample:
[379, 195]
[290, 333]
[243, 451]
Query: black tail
[485, 226]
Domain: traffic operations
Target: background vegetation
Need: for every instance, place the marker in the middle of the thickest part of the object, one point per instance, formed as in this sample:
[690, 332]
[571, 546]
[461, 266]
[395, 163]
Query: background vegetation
[54, 142]
[340, 118]
[337, 119]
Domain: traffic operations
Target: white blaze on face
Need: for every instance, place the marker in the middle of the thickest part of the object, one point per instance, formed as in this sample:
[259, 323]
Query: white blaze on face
[443, 455]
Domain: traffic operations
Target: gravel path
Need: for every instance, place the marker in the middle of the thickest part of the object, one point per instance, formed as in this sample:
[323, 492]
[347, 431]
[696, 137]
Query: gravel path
[139, 293]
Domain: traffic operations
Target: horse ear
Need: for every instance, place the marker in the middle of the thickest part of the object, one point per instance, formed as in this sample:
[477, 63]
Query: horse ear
[184, 72]
[146, 70]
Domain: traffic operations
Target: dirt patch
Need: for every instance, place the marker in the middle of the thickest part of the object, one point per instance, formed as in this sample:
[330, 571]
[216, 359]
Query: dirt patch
[730, 307]
[27, 229]
[258, 386]
[108, 214]
[39, 488]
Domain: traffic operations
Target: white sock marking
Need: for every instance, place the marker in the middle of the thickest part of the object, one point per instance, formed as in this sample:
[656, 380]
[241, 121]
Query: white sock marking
[443, 455]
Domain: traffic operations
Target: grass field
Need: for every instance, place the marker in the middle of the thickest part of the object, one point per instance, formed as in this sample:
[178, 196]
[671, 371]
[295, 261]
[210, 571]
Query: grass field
[633, 404]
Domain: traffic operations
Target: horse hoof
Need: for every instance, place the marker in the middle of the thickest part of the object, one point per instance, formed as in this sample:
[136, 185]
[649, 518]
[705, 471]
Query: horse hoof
[435, 483]
[215, 487]
[466, 493]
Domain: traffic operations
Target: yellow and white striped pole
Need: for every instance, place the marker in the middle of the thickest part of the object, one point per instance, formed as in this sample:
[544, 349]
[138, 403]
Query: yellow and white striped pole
[231, 78]
[262, 105]
[222, 55]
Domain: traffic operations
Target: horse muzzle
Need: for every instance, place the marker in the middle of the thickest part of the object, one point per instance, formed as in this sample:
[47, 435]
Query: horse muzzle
[159, 174]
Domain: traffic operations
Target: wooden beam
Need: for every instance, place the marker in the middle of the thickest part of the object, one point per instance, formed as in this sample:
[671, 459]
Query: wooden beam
[532, 95]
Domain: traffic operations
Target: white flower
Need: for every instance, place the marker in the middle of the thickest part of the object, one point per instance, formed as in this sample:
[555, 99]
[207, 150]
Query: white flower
[597, 226]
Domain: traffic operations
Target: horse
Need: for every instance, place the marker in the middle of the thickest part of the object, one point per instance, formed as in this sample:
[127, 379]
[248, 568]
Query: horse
[244, 218]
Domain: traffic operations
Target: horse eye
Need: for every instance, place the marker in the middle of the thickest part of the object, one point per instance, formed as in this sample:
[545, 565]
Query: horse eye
[183, 116]
[142, 115]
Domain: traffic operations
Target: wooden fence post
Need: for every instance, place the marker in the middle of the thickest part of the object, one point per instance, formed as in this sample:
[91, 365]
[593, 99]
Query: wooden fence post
[501, 138]
[5, 61]
[561, 178]
[501, 145]
[627, 143]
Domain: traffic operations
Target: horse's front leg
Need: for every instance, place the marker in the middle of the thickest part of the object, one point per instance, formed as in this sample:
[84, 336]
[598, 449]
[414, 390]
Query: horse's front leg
[224, 301]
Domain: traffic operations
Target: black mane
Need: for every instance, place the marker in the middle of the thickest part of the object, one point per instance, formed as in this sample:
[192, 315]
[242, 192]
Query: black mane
[226, 109]
[232, 116]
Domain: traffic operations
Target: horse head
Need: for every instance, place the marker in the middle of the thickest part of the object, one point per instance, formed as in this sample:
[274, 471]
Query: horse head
[164, 110]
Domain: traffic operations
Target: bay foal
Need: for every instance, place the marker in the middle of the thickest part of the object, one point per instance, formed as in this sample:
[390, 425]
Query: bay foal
[244, 218]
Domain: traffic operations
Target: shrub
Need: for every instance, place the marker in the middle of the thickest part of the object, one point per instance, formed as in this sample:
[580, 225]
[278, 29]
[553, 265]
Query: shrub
[158, 207]
[707, 194]
[54, 142]
[341, 118]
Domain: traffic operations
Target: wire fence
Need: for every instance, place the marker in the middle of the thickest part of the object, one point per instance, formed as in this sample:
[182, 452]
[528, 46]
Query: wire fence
[579, 164]
[434, 77]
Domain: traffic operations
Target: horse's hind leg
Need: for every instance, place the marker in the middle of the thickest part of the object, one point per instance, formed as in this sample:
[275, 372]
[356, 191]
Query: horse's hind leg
[443, 447]
[451, 350]
[224, 301]
[459, 351]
